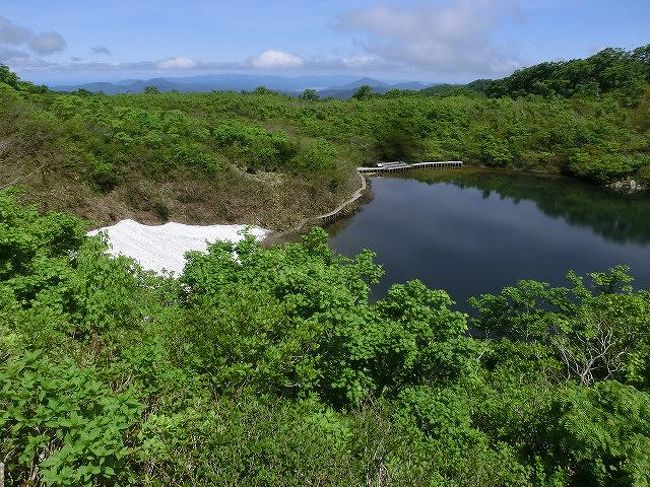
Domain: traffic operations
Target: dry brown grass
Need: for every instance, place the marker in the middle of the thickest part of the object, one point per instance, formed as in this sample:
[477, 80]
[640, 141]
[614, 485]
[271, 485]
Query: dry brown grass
[272, 200]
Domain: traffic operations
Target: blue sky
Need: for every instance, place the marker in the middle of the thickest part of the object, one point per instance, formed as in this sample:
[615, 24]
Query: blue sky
[434, 40]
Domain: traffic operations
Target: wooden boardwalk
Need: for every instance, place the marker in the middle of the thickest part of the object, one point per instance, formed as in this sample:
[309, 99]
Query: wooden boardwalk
[402, 166]
[333, 215]
[362, 172]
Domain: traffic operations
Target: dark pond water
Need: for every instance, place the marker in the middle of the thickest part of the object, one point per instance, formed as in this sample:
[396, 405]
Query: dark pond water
[473, 231]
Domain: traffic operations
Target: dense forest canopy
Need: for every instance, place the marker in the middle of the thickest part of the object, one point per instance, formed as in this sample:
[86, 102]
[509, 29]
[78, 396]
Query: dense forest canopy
[622, 73]
[274, 367]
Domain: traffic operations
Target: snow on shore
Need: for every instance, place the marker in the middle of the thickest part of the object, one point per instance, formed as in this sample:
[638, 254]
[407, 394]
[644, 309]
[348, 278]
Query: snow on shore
[163, 247]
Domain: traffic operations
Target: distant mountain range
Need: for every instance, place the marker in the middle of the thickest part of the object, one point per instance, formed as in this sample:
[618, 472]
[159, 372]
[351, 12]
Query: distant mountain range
[348, 89]
[336, 86]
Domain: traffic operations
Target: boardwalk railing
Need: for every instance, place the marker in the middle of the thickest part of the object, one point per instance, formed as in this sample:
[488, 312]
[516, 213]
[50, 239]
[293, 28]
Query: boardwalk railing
[402, 166]
[332, 216]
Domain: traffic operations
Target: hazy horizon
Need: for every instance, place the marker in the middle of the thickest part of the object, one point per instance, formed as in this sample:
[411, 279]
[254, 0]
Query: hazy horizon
[433, 41]
[346, 78]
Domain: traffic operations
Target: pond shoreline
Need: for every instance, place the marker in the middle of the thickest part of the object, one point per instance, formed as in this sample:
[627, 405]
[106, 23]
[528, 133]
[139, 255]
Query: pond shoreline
[350, 206]
[360, 196]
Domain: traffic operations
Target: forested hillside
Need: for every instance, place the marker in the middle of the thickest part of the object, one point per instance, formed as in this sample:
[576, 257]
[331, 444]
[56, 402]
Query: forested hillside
[274, 369]
[624, 74]
[269, 159]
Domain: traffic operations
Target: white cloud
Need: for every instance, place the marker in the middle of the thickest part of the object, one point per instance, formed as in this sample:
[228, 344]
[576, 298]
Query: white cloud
[10, 55]
[454, 38]
[359, 61]
[177, 63]
[11, 33]
[47, 43]
[18, 44]
[273, 59]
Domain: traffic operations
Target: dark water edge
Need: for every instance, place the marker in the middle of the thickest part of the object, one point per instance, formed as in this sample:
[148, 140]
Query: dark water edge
[474, 231]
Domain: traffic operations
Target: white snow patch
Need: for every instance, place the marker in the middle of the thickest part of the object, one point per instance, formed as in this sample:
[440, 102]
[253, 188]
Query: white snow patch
[163, 247]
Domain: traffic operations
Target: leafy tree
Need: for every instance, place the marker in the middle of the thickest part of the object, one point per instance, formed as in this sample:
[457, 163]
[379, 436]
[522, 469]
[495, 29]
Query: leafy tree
[599, 434]
[310, 95]
[611, 70]
[401, 136]
[263, 90]
[642, 55]
[151, 90]
[363, 93]
[596, 331]
[61, 425]
[8, 77]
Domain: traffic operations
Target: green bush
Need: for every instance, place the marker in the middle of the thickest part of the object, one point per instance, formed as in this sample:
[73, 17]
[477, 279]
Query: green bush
[61, 425]
[603, 169]
[316, 155]
[254, 146]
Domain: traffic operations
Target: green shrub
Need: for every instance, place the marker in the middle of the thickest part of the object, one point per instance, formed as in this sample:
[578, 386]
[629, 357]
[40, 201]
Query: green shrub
[254, 146]
[61, 425]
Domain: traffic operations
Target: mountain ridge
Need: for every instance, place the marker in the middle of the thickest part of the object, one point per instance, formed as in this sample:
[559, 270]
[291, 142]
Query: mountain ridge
[336, 86]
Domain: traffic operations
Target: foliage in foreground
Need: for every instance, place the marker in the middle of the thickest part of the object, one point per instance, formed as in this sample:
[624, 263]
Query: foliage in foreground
[274, 369]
